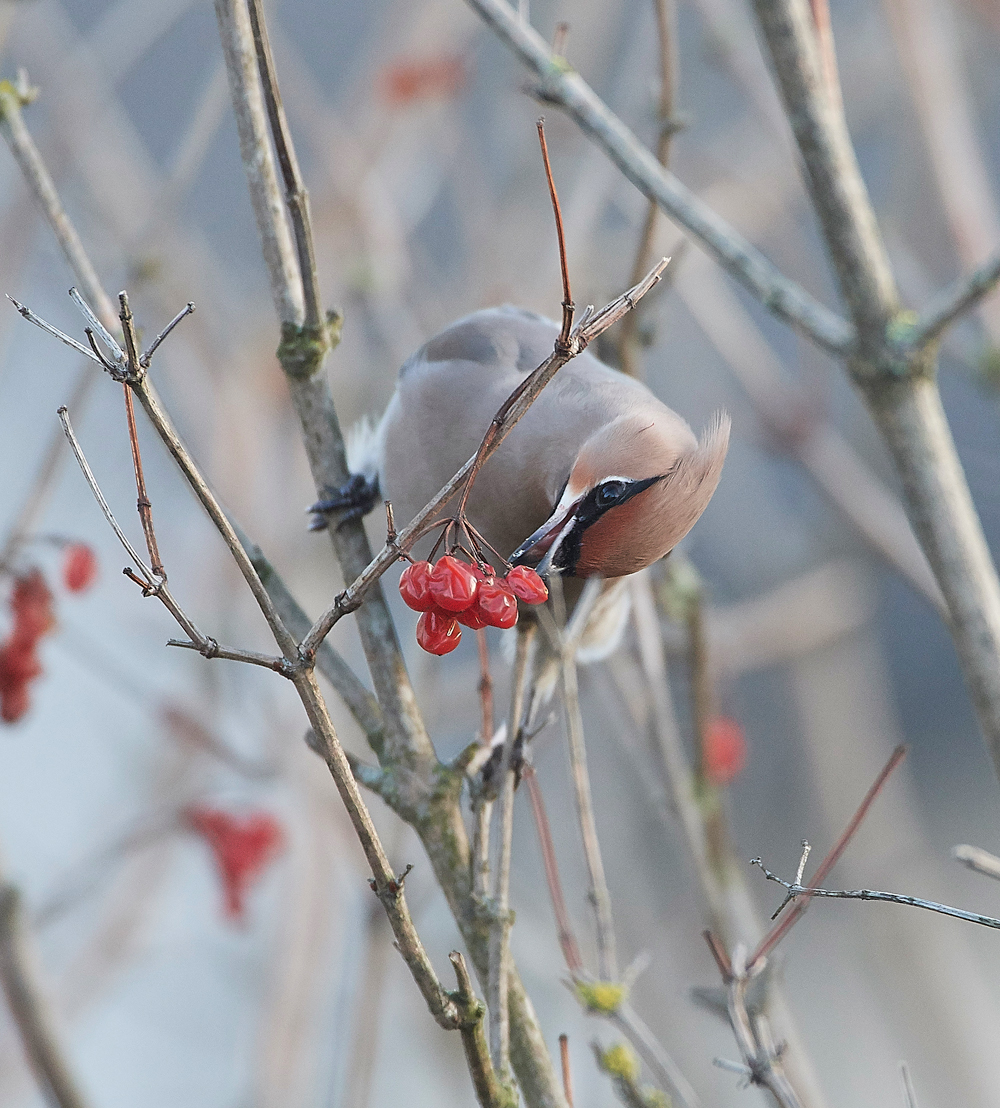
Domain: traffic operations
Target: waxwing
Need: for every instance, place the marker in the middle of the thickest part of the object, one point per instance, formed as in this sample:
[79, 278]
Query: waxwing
[599, 476]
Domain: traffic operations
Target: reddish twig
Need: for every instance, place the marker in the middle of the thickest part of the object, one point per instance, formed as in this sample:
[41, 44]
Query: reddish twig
[778, 932]
[143, 503]
[567, 303]
[567, 1075]
[718, 952]
[567, 940]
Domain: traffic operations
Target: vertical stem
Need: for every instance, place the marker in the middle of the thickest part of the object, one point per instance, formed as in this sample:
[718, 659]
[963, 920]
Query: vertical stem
[500, 924]
[29, 1010]
[598, 893]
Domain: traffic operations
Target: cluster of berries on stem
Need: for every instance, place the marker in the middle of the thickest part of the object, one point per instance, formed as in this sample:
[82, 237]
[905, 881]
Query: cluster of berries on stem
[32, 610]
[450, 592]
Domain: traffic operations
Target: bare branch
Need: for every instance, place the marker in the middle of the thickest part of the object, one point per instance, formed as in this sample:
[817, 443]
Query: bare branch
[30, 316]
[296, 194]
[566, 88]
[909, 1093]
[39, 180]
[796, 890]
[28, 1007]
[952, 302]
[977, 859]
[154, 345]
[500, 920]
[778, 932]
[490, 1091]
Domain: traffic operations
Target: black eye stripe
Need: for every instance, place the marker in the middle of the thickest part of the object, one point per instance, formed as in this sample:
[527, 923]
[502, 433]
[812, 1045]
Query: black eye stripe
[590, 511]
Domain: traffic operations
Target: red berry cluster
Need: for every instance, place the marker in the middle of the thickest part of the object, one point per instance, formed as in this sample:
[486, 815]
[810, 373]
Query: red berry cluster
[243, 846]
[31, 607]
[451, 592]
[33, 617]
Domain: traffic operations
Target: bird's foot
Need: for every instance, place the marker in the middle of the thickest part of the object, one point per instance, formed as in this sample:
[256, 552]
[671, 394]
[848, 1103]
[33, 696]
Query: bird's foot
[352, 500]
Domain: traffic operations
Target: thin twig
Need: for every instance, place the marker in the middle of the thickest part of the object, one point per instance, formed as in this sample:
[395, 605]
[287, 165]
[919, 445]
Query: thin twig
[91, 480]
[667, 127]
[155, 344]
[296, 193]
[752, 1033]
[39, 180]
[952, 301]
[142, 496]
[564, 926]
[977, 859]
[567, 1073]
[778, 932]
[212, 649]
[795, 890]
[909, 1093]
[30, 316]
[598, 894]
[500, 906]
[568, 306]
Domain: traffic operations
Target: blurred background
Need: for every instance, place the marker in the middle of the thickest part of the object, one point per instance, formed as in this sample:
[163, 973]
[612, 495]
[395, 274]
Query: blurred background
[417, 140]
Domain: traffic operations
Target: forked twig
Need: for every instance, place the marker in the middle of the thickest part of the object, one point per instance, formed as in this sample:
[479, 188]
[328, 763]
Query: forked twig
[778, 932]
[796, 890]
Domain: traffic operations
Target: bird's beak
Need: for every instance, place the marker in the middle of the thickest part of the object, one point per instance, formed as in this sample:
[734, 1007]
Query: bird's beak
[539, 548]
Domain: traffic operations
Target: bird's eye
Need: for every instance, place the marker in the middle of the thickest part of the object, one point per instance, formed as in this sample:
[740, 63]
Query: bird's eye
[610, 493]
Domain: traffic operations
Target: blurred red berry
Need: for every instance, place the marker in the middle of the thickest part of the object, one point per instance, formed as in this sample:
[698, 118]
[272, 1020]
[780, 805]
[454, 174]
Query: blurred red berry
[15, 700]
[725, 750]
[496, 604]
[18, 663]
[243, 847]
[406, 81]
[31, 604]
[453, 584]
[79, 567]
[438, 634]
[526, 585]
[415, 587]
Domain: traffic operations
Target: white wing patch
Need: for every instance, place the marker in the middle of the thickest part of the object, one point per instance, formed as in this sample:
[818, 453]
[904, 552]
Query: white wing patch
[364, 447]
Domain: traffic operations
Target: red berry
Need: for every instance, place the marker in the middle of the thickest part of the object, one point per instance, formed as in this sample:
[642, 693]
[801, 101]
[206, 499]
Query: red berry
[526, 585]
[438, 634]
[18, 663]
[725, 750]
[79, 568]
[497, 605]
[415, 587]
[471, 617]
[453, 584]
[31, 604]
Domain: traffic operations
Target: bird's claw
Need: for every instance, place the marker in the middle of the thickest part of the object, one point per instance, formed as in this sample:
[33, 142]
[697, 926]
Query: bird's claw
[354, 500]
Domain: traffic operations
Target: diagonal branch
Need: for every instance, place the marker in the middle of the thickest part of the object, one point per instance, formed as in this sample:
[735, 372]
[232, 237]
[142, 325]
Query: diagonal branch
[566, 88]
